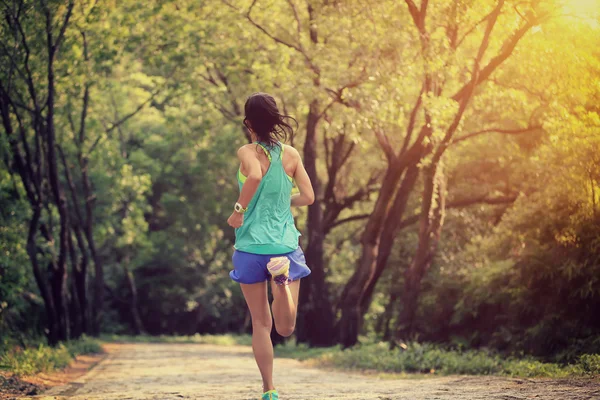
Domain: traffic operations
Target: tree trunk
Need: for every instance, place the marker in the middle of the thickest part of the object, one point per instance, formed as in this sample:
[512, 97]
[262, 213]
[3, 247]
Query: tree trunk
[58, 277]
[34, 194]
[79, 267]
[97, 305]
[315, 313]
[386, 318]
[431, 222]
[389, 233]
[138, 326]
[75, 310]
[350, 323]
[53, 334]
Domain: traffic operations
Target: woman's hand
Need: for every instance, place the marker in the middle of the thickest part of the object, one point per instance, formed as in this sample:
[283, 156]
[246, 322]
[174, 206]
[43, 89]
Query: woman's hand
[236, 219]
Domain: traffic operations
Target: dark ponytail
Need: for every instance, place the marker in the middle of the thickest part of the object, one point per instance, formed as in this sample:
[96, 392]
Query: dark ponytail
[263, 116]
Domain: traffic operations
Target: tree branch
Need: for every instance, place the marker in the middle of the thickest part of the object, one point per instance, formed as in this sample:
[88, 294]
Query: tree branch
[496, 130]
[297, 18]
[29, 77]
[349, 219]
[385, 145]
[522, 88]
[123, 120]
[411, 123]
[334, 208]
[414, 13]
[71, 186]
[464, 100]
[469, 31]
[298, 47]
[465, 203]
[63, 28]
[263, 30]
[505, 52]
[86, 93]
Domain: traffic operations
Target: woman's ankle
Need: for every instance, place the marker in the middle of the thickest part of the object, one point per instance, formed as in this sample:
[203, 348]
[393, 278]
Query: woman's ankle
[266, 388]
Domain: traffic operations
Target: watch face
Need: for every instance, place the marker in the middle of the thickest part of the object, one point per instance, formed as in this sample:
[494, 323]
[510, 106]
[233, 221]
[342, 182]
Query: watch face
[238, 207]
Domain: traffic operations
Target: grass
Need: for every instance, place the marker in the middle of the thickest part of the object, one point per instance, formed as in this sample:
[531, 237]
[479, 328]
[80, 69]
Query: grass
[431, 359]
[221, 340]
[39, 357]
[44, 358]
[373, 357]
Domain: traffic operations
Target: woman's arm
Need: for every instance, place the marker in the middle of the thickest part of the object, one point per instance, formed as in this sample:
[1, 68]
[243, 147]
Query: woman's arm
[306, 196]
[251, 164]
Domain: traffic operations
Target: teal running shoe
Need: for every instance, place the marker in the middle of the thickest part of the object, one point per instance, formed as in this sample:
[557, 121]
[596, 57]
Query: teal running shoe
[270, 395]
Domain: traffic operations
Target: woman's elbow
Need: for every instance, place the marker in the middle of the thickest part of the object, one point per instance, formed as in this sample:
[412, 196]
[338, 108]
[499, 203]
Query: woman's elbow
[310, 199]
[254, 178]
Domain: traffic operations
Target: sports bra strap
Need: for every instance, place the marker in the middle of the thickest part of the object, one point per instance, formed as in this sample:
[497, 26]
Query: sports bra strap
[268, 153]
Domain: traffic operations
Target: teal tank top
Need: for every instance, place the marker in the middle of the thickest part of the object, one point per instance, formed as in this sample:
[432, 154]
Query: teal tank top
[268, 224]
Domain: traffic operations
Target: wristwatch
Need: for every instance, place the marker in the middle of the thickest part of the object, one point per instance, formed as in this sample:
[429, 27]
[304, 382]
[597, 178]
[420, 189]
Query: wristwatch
[238, 208]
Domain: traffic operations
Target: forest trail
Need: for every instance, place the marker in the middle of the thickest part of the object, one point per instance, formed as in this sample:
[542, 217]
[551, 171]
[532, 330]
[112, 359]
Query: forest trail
[144, 371]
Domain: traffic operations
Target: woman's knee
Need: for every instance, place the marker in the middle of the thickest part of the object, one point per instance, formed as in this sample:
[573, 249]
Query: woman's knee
[265, 323]
[285, 331]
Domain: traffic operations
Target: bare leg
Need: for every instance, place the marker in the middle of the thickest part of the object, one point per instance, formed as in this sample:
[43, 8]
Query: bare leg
[258, 303]
[285, 306]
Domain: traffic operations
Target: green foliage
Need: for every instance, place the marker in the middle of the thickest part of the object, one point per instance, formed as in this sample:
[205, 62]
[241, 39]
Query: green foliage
[590, 364]
[531, 282]
[302, 352]
[33, 360]
[516, 277]
[44, 358]
[20, 306]
[85, 345]
[421, 358]
[533, 368]
[433, 359]
[221, 340]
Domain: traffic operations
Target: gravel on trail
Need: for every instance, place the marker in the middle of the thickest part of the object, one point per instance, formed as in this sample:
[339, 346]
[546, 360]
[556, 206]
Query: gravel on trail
[165, 371]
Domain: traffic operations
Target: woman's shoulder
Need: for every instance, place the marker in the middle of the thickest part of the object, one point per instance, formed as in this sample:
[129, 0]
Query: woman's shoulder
[290, 150]
[246, 149]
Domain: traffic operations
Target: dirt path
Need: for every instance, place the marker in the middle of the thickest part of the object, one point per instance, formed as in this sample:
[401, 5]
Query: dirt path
[194, 371]
[13, 387]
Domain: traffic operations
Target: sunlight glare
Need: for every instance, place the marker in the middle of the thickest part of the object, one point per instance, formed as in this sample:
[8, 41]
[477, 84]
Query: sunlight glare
[587, 10]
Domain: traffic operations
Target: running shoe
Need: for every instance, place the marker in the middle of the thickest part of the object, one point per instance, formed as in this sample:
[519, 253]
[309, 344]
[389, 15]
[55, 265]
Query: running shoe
[270, 395]
[279, 268]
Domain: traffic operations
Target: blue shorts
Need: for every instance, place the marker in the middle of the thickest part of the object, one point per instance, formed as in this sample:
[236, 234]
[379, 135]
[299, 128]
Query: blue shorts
[252, 268]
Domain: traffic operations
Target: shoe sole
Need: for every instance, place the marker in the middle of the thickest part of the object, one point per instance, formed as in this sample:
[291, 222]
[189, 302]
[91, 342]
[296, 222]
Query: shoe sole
[278, 266]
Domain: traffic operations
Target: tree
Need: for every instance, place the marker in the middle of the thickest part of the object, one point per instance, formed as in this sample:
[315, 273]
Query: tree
[319, 27]
[443, 33]
[31, 106]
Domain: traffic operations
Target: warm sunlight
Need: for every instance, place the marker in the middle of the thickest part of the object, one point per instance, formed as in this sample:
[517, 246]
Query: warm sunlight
[222, 199]
[588, 10]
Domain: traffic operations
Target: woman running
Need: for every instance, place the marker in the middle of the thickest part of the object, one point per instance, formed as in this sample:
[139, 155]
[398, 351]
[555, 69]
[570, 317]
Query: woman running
[266, 239]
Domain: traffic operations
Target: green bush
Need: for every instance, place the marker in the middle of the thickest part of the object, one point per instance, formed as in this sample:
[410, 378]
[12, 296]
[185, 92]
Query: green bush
[38, 359]
[44, 358]
[424, 358]
[533, 368]
[590, 364]
[85, 345]
[432, 359]
[302, 352]
[222, 340]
